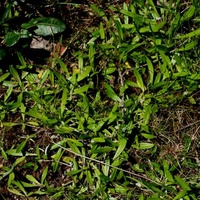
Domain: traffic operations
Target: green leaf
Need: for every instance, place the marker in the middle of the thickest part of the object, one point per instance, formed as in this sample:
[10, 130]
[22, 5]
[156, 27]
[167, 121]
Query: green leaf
[84, 74]
[140, 82]
[45, 26]
[119, 29]
[148, 136]
[180, 195]
[188, 46]
[73, 147]
[44, 174]
[188, 14]
[63, 101]
[32, 179]
[98, 140]
[89, 177]
[101, 30]
[4, 76]
[64, 129]
[81, 90]
[76, 142]
[147, 113]
[19, 160]
[14, 191]
[21, 146]
[189, 35]
[15, 74]
[11, 177]
[36, 114]
[182, 183]
[20, 186]
[13, 152]
[111, 94]
[150, 70]
[144, 145]
[167, 172]
[121, 147]
[12, 38]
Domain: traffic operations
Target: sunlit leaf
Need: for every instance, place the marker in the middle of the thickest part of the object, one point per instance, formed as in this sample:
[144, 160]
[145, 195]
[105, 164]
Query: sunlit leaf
[111, 93]
[45, 26]
[121, 147]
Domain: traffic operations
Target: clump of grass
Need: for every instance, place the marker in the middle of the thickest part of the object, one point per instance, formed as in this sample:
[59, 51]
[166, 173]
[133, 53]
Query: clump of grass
[118, 120]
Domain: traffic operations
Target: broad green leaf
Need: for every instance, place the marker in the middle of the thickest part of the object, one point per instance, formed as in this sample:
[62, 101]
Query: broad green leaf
[97, 10]
[188, 14]
[119, 30]
[32, 179]
[106, 168]
[11, 177]
[144, 145]
[20, 186]
[19, 160]
[121, 189]
[98, 140]
[121, 147]
[21, 59]
[101, 30]
[147, 113]
[131, 83]
[84, 74]
[15, 74]
[140, 82]
[74, 172]
[44, 174]
[36, 114]
[14, 191]
[89, 177]
[165, 59]
[12, 38]
[189, 35]
[76, 142]
[8, 93]
[64, 129]
[188, 46]
[148, 136]
[10, 124]
[192, 100]
[4, 76]
[21, 146]
[73, 147]
[111, 94]
[167, 172]
[150, 70]
[46, 26]
[63, 66]
[3, 154]
[180, 195]
[109, 70]
[154, 12]
[43, 78]
[81, 90]
[182, 183]
[63, 101]
[13, 152]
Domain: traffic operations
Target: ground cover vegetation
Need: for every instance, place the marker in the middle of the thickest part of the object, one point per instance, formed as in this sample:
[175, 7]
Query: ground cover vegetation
[107, 107]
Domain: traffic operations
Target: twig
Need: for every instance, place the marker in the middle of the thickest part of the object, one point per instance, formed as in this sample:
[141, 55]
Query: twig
[103, 163]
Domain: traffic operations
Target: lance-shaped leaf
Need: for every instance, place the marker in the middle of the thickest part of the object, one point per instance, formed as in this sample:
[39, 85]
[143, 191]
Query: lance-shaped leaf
[111, 93]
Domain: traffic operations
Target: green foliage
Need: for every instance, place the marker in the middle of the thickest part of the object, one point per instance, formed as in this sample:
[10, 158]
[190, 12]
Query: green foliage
[93, 124]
